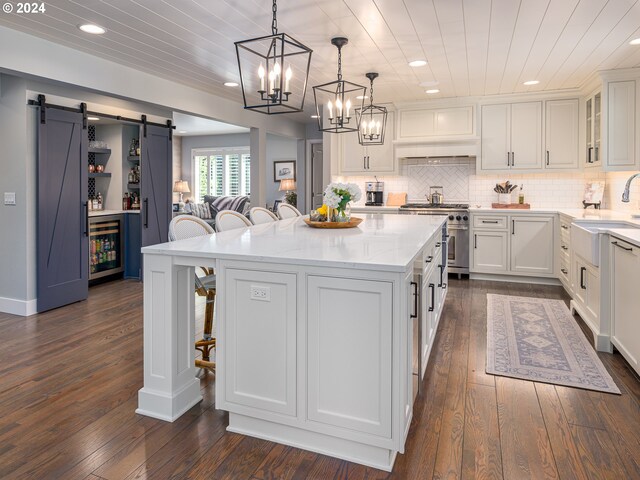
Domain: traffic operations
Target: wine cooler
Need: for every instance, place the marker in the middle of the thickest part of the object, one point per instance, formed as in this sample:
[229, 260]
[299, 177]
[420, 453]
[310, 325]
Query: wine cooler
[105, 246]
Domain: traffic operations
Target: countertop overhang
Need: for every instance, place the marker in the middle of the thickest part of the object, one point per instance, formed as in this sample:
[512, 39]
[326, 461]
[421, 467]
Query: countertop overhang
[381, 242]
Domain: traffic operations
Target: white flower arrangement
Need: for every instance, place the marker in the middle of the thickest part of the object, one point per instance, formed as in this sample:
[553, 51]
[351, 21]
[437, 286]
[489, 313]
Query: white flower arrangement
[338, 195]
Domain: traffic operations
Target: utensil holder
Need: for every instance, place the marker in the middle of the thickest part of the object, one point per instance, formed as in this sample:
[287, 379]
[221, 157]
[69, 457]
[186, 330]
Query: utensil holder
[504, 198]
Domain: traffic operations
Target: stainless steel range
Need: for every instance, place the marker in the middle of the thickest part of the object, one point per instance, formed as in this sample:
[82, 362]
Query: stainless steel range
[458, 230]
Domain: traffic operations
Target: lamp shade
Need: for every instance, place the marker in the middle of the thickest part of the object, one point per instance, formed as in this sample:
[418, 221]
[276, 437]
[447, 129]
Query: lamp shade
[181, 186]
[287, 185]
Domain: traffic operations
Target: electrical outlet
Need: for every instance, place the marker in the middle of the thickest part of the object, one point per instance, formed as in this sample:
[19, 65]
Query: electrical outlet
[260, 293]
[9, 198]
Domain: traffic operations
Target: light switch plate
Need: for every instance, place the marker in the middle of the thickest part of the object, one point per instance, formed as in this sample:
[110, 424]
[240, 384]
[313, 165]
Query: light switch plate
[9, 198]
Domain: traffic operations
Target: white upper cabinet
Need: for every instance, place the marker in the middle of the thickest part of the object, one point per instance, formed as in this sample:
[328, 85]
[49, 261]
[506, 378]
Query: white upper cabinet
[511, 136]
[561, 133]
[593, 109]
[425, 124]
[372, 159]
[621, 126]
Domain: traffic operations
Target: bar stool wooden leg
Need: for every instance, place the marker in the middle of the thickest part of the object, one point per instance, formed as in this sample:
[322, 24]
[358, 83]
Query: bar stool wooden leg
[208, 342]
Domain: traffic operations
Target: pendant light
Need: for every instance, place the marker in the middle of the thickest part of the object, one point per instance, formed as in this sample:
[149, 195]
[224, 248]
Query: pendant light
[338, 98]
[274, 71]
[372, 119]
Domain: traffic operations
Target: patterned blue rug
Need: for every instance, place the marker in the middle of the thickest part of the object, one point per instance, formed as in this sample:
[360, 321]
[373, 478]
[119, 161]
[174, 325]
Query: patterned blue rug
[537, 339]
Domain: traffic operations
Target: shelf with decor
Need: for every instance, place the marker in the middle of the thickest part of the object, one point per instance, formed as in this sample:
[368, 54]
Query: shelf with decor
[102, 151]
[99, 174]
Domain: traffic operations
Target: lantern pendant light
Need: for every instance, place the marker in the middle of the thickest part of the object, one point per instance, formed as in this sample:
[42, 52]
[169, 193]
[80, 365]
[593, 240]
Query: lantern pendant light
[339, 99]
[274, 71]
[372, 119]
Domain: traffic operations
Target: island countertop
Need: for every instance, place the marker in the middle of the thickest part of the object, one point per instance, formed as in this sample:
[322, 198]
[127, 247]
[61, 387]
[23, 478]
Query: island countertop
[380, 242]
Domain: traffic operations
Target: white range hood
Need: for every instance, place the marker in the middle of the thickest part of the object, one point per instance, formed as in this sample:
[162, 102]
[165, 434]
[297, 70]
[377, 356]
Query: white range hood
[467, 147]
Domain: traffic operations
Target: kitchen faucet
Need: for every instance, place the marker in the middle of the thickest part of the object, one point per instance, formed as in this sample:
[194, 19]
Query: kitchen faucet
[625, 194]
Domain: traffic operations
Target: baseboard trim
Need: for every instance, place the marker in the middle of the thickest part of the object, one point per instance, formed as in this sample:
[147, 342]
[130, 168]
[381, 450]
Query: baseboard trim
[498, 277]
[24, 308]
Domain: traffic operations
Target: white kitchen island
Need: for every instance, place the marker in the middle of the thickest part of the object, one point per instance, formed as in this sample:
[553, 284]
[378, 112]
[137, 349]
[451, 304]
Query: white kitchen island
[314, 330]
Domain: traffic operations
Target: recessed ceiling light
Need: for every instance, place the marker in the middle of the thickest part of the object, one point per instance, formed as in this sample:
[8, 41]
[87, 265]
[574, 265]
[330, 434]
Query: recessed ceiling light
[93, 119]
[362, 97]
[230, 84]
[635, 41]
[432, 91]
[531, 82]
[91, 28]
[315, 116]
[182, 131]
[417, 63]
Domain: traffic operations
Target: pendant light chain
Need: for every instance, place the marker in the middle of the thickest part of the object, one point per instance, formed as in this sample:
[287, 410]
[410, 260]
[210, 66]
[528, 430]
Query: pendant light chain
[274, 22]
[339, 63]
[371, 94]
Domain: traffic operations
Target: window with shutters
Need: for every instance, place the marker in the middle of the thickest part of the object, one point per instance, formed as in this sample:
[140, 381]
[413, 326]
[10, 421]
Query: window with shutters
[221, 171]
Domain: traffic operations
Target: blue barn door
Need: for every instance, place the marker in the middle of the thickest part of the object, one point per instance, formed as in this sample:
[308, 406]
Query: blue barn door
[155, 184]
[62, 221]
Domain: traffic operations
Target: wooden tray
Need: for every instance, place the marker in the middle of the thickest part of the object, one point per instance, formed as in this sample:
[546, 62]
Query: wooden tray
[354, 222]
[515, 206]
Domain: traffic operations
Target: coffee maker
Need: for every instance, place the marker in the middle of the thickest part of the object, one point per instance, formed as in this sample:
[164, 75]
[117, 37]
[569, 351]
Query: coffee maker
[374, 193]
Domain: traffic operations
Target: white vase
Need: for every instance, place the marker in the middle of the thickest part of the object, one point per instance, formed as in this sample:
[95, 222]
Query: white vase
[504, 198]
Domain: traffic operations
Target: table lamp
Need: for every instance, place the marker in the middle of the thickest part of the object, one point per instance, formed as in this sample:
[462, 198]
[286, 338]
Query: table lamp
[288, 185]
[181, 187]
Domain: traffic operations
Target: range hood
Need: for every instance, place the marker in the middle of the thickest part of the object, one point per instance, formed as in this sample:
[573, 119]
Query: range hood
[468, 147]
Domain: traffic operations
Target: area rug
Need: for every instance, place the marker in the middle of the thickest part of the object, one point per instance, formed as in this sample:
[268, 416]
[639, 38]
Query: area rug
[537, 339]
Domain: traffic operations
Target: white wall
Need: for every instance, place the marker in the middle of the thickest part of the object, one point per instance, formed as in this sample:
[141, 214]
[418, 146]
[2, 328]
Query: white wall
[280, 148]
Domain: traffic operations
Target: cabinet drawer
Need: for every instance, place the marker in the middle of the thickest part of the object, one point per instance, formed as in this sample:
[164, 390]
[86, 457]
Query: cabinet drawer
[565, 246]
[565, 272]
[498, 222]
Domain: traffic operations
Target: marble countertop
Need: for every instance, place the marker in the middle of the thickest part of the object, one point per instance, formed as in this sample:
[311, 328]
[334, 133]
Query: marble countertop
[367, 209]
[100, 213]
[381, 242]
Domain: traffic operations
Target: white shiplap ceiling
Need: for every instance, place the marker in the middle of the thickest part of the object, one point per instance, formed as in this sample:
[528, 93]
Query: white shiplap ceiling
[473, 47]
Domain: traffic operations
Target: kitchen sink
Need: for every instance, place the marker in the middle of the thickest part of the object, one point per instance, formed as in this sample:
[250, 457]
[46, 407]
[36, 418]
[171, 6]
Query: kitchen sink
[585, 238]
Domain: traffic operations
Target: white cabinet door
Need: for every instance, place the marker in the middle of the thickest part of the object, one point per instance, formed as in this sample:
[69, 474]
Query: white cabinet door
[372, 159]
[261, 340]
[490, 252]
[353, 156]
[495, 145]
[526, 135]
[625, 318]
[561, 133]
[532, 244]
[621, 127]
[349, 346]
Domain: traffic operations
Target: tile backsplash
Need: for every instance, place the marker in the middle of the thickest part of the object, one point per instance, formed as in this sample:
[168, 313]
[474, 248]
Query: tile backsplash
[461, 184]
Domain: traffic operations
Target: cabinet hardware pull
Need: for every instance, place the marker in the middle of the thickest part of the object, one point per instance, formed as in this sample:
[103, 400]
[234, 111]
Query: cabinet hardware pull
[489, 221]
[475, 240]
[564, 270]
[589, 150]
[415, 300]
[438, 245]
[429, 259]
[547, 157]
[596, 154]
[564, 227]
[564, 247]
[432, 286]
[146, 213]
[622, 246]
[513, 159]
[441, 284]
[86, 218]
[508, 159]
[513, 227]
[364, 162]
[582, 285]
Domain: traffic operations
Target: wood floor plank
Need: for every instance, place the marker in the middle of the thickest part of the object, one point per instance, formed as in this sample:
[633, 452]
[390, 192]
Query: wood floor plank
[598, 455]
[285, 463]
[565, 452]
[210, 461]
[579, 408]
[248, 454]
[481, 456]
[526, 450]
[476, 367]
[449, 454]
[616, 411]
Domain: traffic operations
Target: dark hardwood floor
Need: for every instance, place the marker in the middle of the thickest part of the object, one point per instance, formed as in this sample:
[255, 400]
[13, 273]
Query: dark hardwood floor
[69, 381]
